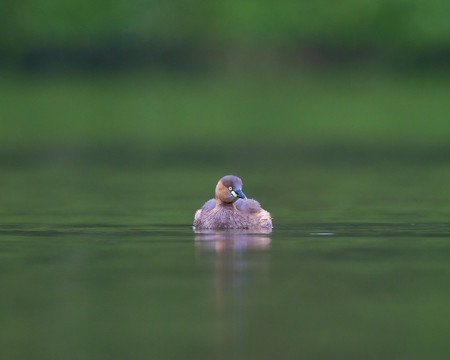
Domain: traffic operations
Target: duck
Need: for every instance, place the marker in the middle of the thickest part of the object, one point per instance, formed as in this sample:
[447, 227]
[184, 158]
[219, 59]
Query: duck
[231, 209]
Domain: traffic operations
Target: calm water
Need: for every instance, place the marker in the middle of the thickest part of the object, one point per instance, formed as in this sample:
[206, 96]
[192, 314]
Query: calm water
[101, 262]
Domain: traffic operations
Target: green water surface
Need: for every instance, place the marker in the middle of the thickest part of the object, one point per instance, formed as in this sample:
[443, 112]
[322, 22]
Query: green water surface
[105, 264]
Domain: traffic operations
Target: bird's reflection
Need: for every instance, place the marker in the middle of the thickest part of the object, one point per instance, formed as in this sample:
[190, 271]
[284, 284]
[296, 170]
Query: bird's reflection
[237, 239]
[234, 273]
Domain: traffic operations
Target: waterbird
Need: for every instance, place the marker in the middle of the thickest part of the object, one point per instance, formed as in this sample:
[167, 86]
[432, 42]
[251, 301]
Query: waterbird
[230, 209]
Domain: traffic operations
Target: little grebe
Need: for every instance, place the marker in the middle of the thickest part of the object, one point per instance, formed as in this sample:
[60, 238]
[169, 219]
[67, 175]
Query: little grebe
[231, 209]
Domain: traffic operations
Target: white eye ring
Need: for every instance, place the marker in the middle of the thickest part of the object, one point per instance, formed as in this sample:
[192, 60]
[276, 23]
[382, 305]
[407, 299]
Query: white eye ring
[230, 188]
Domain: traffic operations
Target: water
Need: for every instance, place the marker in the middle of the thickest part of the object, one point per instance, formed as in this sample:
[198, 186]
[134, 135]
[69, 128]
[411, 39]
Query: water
[99, 261]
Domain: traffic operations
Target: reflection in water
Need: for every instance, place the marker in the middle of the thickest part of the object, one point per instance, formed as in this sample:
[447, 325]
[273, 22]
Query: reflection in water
[233, 268]
[238, 239]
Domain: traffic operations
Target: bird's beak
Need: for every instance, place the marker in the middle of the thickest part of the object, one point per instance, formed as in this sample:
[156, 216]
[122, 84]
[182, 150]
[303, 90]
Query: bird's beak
[238, 194]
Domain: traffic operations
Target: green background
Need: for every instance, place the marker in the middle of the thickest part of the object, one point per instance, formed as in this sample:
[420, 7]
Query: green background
[117, 118]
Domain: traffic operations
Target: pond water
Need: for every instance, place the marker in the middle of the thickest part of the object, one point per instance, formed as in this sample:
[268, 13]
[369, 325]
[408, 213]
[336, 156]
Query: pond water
[99, 261]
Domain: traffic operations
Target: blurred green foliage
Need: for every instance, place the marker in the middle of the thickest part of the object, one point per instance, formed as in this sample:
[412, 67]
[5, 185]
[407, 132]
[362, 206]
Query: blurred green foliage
[172, 110]
[167, 111]
[403, 24]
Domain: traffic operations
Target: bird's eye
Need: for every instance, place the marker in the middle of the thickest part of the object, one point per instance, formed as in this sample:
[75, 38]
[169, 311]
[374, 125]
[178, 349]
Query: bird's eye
[230, 188]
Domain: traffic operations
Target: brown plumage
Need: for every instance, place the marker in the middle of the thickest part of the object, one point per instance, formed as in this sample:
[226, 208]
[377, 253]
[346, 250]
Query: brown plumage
[230, 209]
